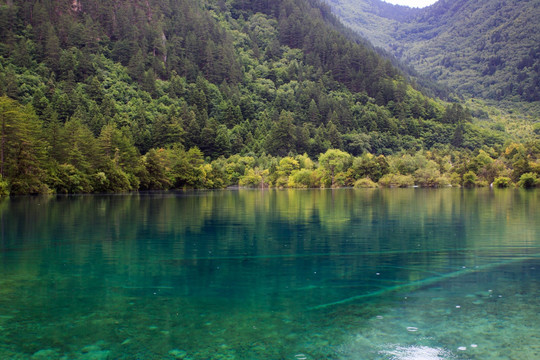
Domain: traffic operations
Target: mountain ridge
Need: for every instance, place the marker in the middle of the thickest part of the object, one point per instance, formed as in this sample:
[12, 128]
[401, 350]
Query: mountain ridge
[486, 49]
[148, 94]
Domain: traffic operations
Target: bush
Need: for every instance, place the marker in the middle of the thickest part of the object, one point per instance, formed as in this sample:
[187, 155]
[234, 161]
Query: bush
[469, 179]
[502, 182]
[67, 179]
[4, 187]
[282, 182]
[482, 183]
[455, 179]
[111, 180]
[429, 176]
[302, 179]
[396, 180]
[252, 178]
[528, 180]
[340, 180]
[365, 183]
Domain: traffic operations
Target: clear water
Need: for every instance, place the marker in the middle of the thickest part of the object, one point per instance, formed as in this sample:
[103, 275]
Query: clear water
[318, 274]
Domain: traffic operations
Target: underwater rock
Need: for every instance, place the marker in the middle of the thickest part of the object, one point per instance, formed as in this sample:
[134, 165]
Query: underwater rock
[91, 348]
[45, 354]
[178, 354]
[96, 355]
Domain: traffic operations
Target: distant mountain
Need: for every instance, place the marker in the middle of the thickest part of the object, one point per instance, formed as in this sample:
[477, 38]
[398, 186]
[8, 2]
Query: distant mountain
[488, 49]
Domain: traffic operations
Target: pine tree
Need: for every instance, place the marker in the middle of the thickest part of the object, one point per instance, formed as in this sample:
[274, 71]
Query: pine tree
[21, 149]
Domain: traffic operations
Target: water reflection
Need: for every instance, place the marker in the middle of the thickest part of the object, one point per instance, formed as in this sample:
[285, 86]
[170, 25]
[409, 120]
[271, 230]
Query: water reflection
[242, 272]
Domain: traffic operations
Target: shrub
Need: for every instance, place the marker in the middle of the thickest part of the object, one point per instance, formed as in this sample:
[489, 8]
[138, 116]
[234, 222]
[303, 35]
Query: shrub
[68, 179]
[427, 177]
[302, 179]
[455, 179]
[365, 183]
[4, 187]
[528, 180]
[396, 180]
[482, 183]
[340, 180]
[282, 182]
[469, 179]
[254, 178]
[502, 182]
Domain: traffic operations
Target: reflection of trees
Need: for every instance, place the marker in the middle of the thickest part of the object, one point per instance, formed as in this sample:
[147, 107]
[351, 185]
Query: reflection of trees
[149, 235]
[105, 258]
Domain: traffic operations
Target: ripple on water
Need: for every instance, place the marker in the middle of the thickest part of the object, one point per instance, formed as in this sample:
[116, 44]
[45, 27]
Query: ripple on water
[418, 353]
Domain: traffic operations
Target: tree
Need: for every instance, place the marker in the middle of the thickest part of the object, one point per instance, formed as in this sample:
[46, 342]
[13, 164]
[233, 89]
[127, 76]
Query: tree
[285, 168]
[528, 180]
[52, 49]
[334, 161]
[167, 130]
[369, 166]
[155, 173]
[334, 136]
[188, 170]
[469, 179]
[21, 149]
[282, 136]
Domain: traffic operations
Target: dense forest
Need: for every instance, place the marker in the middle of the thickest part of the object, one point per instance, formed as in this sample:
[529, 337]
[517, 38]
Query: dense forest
[100, 96]
[488, 49]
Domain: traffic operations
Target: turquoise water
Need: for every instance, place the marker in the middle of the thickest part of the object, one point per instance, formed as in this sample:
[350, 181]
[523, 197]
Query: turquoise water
[315, 274]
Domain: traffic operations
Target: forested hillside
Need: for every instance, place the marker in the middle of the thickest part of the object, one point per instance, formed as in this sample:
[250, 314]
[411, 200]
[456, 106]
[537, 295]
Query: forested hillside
[488, 49]
[100, 96]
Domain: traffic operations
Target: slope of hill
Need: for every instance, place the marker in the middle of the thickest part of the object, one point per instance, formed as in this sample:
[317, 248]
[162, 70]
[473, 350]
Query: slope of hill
[88, 87]
[488, 49]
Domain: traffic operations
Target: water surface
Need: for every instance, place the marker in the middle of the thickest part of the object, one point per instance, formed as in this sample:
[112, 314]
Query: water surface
[293, 274]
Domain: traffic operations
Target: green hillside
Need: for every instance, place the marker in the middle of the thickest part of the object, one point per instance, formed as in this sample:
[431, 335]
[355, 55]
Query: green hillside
[99, 96]
[488, 49]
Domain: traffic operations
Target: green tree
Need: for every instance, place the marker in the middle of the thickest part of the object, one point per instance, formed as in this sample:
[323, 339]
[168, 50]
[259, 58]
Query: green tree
[334, 161]
[187, 169]
[502, 182]
[21, 149]
[528, 180]
[167, 130]
[282, 136]
[469, 179]
[154, 176]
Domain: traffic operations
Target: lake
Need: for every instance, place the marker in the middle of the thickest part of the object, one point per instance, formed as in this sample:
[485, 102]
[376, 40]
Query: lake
[292, 274]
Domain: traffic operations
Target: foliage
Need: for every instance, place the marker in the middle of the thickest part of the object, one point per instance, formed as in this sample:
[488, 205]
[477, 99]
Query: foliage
[254, 178]
[333, 162]
[496, 57]
[528, 180]
[502, 182]
[4, 187]
[152, 95]
[365, 183]
[304, 178]
[396, 180]
[469, 179]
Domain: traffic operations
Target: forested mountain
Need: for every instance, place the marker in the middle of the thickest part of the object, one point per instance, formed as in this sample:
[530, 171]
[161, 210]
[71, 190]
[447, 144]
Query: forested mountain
[100, 96]
[488, 48]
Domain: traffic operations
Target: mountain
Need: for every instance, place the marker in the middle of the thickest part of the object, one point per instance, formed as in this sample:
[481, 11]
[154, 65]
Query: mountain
[151, 94]
[488, 49]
